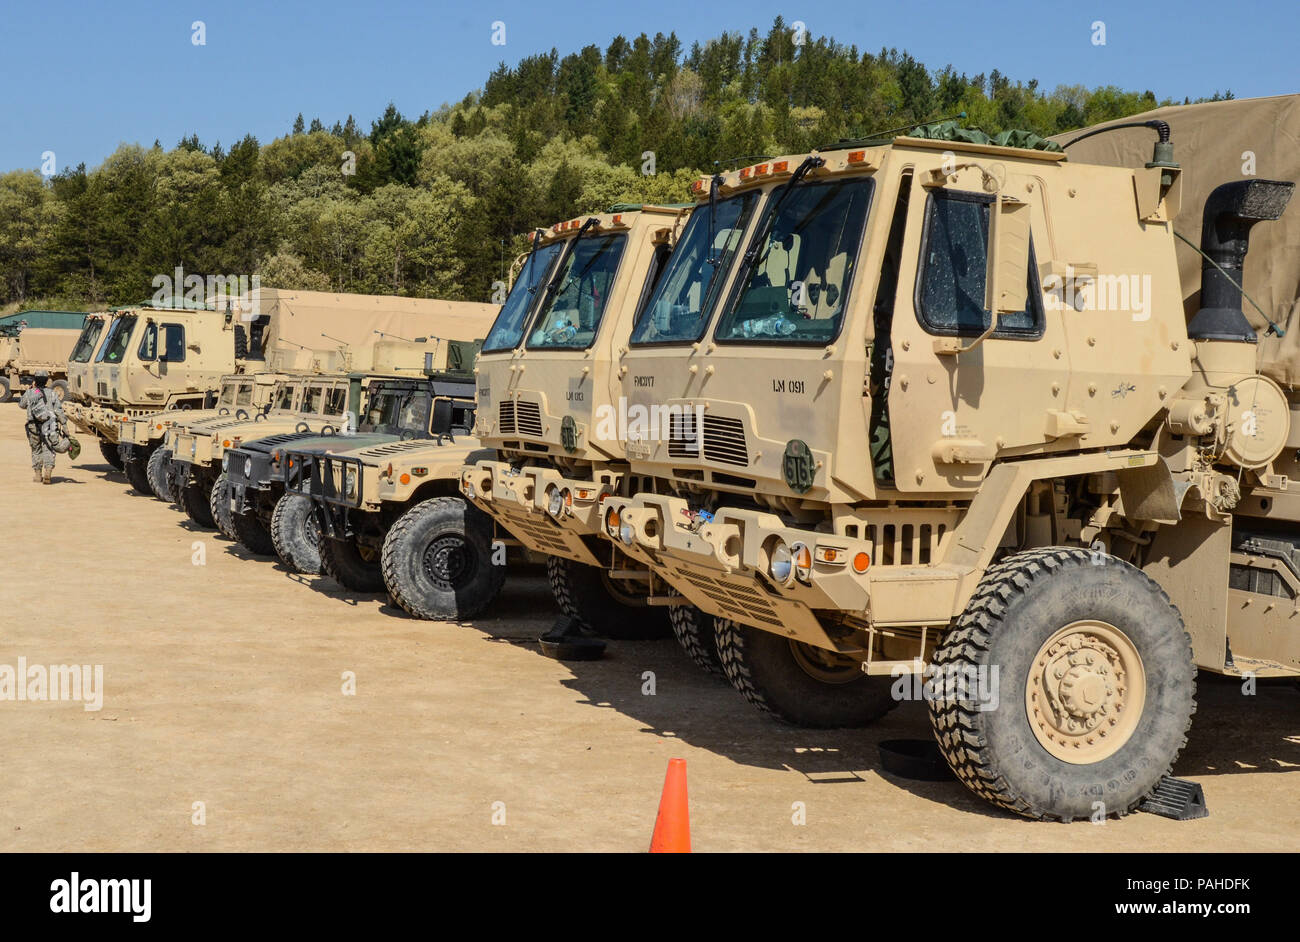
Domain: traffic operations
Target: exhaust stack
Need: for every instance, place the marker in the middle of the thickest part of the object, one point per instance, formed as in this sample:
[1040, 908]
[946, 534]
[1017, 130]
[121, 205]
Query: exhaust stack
[1230, 212]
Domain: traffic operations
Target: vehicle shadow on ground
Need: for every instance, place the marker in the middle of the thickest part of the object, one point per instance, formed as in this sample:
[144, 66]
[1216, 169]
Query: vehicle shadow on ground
[1234, 731]
[63, 480]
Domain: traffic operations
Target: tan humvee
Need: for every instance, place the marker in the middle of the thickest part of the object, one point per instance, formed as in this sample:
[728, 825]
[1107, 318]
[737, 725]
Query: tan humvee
[546, 379]
[22, 354]
[859, 468]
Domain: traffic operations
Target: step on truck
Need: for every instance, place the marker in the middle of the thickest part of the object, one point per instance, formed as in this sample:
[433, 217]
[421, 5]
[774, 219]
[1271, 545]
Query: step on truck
[952, 426]
[547, 388]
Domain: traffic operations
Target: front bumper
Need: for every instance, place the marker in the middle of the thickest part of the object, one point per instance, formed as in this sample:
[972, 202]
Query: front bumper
[547, 512]
[195, 449]
[723, 565]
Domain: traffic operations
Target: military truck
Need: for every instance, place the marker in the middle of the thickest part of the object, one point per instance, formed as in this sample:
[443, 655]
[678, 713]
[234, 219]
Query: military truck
[548, 403]
[388, 513]
[156, 358]
[37, 340]
[946, 421]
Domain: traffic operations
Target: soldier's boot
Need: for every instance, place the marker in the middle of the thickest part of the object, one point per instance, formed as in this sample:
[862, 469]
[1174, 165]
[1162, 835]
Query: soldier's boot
[36, 475]
[45, 475]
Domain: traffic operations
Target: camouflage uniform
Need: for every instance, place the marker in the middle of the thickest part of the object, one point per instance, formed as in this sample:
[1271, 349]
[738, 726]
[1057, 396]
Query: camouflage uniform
[44, 416]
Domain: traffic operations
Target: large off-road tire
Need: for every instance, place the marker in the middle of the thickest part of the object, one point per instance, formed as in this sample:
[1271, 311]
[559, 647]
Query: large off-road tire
[111, 454]
[438, 560]
[6, 391]
[295, 533]
[60, 386]
[350, 566]
[1095, 686]
[799, 683]
[587, 594]
[137, 472]
[696, 633]
[253, 534]
[219, 506]
[196, 501]
[156, 470]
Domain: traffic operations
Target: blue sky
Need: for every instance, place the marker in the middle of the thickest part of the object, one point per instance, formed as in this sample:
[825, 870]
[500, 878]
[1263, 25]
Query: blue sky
[79, 78]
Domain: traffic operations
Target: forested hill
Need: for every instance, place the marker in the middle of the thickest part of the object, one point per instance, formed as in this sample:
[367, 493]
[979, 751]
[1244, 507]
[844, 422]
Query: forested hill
[437, 206]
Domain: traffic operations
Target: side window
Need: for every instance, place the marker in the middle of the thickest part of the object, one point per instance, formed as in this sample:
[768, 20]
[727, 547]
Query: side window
[336, 400]
[954, 259]
[148, 350]
[174, 343]
[244, 395]
[311, 399]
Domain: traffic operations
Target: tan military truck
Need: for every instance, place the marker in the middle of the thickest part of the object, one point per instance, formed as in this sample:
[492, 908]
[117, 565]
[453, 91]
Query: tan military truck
[549, 404]
[946, 420]
[387, 514]
[37, 340]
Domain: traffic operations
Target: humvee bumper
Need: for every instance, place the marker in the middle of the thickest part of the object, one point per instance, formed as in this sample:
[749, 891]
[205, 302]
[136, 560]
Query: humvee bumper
[547, 512]
[723, 563]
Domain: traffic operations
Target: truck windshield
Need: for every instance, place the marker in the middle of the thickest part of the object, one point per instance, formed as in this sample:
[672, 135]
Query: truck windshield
[398, 411]
[796, 287]
[119, 336]
[680, 306]
[508, 329]
[86, 342]
[572, 313]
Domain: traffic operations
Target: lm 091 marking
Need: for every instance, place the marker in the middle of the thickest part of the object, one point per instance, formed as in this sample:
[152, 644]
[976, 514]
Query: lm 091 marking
[788, 385]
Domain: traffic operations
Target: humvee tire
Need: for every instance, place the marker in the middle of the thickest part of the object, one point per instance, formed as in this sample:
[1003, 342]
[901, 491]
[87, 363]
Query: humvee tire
[60, 386]
[696, 634]
[437, 560]
[295, 534]
[1083, 643]
[156, 470]
[350, 566]
[196, 501]
[219, 506]
[137, 473]
[252, 534]
[798, 683]
[6, 392]
[588, 594]
[111, 454]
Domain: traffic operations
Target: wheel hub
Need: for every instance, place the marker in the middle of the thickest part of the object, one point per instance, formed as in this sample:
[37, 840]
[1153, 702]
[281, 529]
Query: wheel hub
[826, 666]
[1085, 692]
[448, 562]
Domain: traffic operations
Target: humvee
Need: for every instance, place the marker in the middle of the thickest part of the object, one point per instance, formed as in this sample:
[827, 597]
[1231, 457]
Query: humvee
[256, 471]
[37, 340]
[548, 404]
[388, 513]
[946, 421]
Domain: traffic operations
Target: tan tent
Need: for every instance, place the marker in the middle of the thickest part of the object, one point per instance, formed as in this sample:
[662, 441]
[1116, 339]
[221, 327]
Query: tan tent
[1215, 142]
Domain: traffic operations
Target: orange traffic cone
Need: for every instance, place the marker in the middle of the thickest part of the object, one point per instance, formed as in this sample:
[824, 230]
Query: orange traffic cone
[673, 824]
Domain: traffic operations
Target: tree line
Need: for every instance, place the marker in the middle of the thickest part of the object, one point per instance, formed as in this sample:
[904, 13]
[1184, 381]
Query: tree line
[439, 205]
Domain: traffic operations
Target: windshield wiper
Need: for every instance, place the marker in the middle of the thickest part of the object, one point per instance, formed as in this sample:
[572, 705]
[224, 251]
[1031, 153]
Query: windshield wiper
[568, 250]
[760, 238]
[709, 257]
[532, 257]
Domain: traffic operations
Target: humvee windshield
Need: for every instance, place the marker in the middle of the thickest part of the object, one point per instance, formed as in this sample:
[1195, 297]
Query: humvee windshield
[283, 399]
[86, 342]
[398, 411]
[796, 287]
[235, 394]
[679, 308]
[119, 336]
[508, 329]
[571, 316]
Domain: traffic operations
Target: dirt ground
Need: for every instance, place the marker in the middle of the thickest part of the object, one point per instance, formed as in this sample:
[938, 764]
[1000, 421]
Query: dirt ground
[223, 684]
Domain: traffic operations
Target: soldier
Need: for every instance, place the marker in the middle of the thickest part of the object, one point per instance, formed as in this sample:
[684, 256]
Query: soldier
[44, 416]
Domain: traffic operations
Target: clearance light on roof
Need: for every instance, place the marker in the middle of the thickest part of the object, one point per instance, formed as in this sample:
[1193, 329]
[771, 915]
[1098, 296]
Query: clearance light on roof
[760, 170]
[745, 172]
[618, 220]
[699, 185]
[781, 166]
[857, 157]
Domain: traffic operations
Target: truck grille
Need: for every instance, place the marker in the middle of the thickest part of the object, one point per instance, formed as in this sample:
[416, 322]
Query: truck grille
[520, 418]
[722, 438]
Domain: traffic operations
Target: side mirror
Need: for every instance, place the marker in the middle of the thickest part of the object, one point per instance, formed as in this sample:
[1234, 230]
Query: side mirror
[443, 413]
[1006, 282]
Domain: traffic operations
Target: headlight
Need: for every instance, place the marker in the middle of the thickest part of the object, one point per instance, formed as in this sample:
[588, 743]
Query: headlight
[802, 561]
[225, 462]
[782, 563]
[556, 503]
[612, 522]
[248, 468]
[194, 448]
[626, 533]
[350, 482]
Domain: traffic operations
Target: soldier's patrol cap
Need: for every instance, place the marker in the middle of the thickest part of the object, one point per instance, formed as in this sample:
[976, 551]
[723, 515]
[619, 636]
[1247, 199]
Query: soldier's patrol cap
[42, 374]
